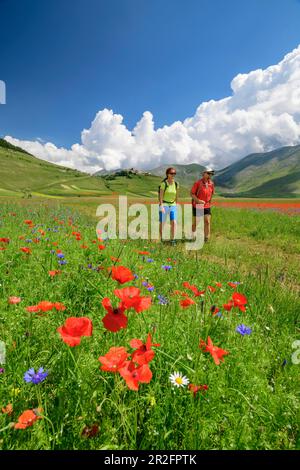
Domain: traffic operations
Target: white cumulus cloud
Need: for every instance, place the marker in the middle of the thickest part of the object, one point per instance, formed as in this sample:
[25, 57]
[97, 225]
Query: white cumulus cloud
[263, 113]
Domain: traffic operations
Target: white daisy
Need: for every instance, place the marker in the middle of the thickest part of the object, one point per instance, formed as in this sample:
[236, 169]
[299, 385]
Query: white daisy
[178, 380]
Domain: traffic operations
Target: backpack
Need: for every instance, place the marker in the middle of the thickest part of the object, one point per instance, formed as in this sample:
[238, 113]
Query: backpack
[166, 184]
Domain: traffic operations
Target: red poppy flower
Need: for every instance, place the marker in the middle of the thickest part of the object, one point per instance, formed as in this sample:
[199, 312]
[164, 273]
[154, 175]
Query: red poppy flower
[59, 306]
[218, 284]
[28, 418]
[121, 274]
[4, 240]
[25, 249]
[232, 284]
[101, 247]
[214, 310]
[212, 289]
[115, 319]
[144, 253]
[217, 353]
[45, 305]
[28, 222]
[239, 301]
[143, 354]
[187, 302]
[116, 260]
[114, 359]
[74, 328]
[228, 306]
[194, 289]
[54, 272]
[133, 375]
[14, 300]
[8, 409]
[197, 388]
[32, 308]
[84, 247]
[2, 248]
[90, 431]
[130, 297]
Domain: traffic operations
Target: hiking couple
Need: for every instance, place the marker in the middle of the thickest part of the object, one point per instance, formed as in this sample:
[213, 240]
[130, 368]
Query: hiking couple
[201, 193]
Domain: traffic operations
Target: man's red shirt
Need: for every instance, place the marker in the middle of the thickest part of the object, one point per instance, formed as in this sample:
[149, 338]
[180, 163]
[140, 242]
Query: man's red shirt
[203, 190]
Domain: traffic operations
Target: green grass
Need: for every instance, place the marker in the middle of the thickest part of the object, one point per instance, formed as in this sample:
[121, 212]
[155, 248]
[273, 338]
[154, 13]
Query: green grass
[253, 399]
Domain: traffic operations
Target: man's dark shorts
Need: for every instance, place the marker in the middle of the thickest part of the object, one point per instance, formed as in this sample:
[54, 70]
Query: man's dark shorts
[207, 211]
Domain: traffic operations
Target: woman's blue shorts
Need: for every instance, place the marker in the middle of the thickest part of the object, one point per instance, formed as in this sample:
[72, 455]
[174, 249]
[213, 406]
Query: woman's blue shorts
[172, 210]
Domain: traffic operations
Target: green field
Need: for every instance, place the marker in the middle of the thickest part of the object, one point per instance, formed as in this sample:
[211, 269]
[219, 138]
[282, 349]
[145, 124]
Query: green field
[252, 401]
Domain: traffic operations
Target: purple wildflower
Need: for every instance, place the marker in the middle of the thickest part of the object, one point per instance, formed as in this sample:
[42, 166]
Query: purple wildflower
[60, 255]
[162, 300]
[35, 378]
[2, 370]
[243, 330]
[166, 267]
[62, 261]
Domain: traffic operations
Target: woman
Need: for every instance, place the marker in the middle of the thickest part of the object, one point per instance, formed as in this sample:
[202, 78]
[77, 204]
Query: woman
[202, 193]
[168, 195]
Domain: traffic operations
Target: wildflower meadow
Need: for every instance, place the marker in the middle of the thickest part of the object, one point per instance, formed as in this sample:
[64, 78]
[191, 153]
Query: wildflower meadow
[133, 344]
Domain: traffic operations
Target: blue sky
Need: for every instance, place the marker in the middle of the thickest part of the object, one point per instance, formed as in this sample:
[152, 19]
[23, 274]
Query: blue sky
[64, 60]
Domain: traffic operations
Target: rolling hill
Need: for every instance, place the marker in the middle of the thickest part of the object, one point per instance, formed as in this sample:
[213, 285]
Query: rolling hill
[24, 175]
[270, 174]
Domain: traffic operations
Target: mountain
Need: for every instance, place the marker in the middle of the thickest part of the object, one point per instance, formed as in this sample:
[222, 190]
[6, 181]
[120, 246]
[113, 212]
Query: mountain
[270, 174]
[186, 175]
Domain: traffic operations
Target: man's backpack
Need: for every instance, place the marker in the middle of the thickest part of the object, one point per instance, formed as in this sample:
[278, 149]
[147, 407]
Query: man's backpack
[166, 185]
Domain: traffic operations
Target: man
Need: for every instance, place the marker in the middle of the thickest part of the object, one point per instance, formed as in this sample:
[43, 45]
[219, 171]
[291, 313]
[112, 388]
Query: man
[202, 193]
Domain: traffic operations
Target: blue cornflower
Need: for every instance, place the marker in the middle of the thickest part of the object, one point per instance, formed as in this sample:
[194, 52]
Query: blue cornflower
[52, 252]
[145, 283]
[60, 255]
[28, 240]
[90, 266]
[243, 330]
[150, 288]
[162, 300]
[150, 260]
[35, 378]
[166, 267]
[136, 276]
[62, 261]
